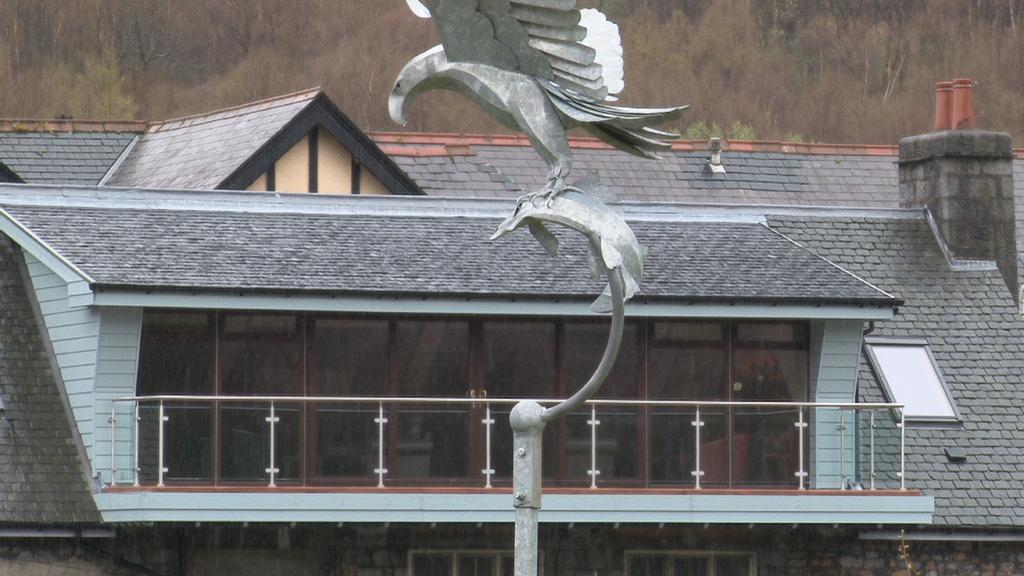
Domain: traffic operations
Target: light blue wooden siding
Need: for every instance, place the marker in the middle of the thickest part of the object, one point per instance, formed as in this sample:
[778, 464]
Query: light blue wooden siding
[836, 381]
[74, 332]
[376, 507]
[118, 357]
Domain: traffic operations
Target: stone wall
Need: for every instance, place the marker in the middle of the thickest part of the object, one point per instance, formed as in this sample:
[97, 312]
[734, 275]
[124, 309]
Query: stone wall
[581, 550]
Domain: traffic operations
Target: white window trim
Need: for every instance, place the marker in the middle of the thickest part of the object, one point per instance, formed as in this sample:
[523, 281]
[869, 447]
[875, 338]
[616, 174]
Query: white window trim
[871, 341]
[709, 554]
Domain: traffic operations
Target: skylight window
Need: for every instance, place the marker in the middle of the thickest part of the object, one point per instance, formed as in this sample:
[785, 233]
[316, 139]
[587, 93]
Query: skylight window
[910, 376]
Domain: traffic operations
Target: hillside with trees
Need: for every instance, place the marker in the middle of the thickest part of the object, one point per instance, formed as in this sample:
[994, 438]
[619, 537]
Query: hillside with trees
[812, 70]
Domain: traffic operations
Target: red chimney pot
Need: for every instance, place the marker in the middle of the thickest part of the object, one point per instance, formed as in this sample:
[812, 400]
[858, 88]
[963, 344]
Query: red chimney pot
[963, 104]
[943, 105]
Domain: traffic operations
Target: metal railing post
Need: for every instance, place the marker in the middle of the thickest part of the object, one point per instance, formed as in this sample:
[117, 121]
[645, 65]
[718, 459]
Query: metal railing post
[842, 449]
[160, 469]
[135, 447]
[593, 423]
[903, 449]
[380, 470]
[488, 470]
[872, 425]
[113, 443]
[801, 474]
[273, 470]
[697, 472]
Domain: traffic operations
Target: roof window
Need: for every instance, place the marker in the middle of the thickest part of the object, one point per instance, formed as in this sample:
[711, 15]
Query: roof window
[911, 377]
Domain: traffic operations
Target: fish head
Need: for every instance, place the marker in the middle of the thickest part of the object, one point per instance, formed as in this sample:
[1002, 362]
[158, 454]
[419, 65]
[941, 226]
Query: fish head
[524, 213]
[412, 80]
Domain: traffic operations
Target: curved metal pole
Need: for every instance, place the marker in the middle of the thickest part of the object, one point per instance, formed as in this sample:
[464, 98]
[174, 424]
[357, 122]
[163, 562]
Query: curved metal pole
[528, 419]
[611, 352]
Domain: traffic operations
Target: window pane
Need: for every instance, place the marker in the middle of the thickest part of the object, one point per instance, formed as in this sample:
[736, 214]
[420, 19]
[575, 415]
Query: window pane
[433, 360]
[687, 361]
[618, 434]
[519, 362]
[350, 357]
[691, 567]
[260, 355]
[431, 565]
[176, 354]
[733, 566]
[913, 380]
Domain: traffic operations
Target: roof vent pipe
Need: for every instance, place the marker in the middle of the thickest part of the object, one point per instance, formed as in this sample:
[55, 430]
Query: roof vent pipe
[714, 164]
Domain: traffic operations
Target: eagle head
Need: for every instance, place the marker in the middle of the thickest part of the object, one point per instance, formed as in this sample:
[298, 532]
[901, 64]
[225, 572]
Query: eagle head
[412, 81]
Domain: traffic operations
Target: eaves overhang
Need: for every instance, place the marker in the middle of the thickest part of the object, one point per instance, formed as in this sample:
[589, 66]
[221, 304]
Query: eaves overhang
[495, 506]
[483, 304]
[41, 250]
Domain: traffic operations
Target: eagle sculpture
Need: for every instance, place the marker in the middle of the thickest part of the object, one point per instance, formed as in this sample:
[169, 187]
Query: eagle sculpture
[539, 66]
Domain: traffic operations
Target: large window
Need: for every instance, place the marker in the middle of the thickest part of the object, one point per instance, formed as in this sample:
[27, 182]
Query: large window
[345, 358]
[464, 563]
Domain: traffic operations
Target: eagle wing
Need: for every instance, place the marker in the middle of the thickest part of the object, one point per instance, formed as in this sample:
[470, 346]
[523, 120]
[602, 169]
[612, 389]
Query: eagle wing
[551, 39]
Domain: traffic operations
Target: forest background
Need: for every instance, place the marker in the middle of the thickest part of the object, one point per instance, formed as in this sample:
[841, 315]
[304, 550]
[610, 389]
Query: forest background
[860, 71]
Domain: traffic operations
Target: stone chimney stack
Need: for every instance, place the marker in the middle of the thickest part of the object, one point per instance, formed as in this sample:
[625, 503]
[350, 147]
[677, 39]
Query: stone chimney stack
[964, 177]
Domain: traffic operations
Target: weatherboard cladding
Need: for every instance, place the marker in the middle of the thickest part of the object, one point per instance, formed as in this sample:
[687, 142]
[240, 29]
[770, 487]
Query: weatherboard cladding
[41, 476]
[975, 333]
[424, 255]
[62, 157]
[201, 152]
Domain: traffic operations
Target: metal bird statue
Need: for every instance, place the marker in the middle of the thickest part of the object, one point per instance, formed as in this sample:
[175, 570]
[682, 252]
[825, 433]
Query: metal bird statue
[539, 66]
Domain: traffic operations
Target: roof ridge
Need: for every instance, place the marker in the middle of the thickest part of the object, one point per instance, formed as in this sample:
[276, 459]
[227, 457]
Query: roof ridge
[282, 99]
[442, 139]
[38, 125]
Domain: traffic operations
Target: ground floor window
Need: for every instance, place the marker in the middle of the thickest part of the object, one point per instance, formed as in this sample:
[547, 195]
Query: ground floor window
[463, 563]
[690, 564]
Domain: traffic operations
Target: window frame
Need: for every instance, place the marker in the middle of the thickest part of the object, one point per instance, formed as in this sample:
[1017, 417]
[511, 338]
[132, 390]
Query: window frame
[710, 555]
[454, 554]
[912, 342]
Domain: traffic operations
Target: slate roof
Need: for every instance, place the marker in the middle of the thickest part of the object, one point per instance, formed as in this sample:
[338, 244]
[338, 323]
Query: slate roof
[57, 157]
[41, 475]
[201, 152]
[976, 334]
[361, 246]
[757, 173]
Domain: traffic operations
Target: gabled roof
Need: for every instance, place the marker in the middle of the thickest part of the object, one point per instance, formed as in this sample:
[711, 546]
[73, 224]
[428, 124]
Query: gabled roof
[41, 474]
[63, 152]
[231, 148]
[223, 149]
[265, 242]
[976, 334]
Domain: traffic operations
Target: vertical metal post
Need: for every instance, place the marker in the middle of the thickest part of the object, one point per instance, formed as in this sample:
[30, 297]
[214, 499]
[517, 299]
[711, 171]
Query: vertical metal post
[380, 470]
[697, 472]
[801, 474]
[113, 443]
[527, 436]
[273, 470]
[903, 449]
[872, 424]
[160, 470]
[488, 470]
[135, 446]
[842, 449]
[593, 423]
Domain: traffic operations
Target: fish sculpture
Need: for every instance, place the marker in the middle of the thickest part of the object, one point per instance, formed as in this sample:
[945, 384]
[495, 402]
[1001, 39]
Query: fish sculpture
[614, 247]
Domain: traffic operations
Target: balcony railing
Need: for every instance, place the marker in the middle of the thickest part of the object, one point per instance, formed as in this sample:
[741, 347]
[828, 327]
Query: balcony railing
[286, 441]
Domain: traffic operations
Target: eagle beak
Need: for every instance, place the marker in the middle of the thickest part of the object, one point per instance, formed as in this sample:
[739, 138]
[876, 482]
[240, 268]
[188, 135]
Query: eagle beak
[396, 108]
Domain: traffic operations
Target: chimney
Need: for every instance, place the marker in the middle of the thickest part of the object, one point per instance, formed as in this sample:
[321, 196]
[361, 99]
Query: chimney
[964, 177]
